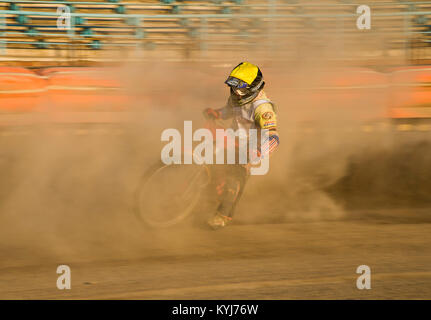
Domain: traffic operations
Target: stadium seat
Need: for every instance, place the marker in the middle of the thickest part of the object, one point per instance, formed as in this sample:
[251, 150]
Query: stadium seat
[13, 6]
[87, 32]
[22, 19]
[32, 32]
[79, 20]
[121, 9]
[41, 44]
[176, 9]
[96, 44]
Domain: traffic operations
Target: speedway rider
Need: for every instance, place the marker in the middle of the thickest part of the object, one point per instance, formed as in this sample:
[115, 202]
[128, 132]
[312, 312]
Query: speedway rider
[250, 108]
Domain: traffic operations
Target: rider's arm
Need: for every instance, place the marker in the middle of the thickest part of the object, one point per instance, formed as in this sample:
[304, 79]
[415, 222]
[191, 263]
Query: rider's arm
[266, 118]
[226, 112]
[222, 113]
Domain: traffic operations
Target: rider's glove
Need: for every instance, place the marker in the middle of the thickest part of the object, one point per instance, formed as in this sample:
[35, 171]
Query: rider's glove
[211, 114]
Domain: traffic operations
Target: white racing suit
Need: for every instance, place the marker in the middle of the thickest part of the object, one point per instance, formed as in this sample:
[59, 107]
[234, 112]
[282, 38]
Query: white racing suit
[258, 114]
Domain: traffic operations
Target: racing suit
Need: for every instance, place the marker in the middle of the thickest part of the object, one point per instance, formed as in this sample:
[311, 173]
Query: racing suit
[258, 114]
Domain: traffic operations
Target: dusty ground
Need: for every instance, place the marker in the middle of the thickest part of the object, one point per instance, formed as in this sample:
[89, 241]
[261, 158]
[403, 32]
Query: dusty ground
[315, 260]
[66, 200]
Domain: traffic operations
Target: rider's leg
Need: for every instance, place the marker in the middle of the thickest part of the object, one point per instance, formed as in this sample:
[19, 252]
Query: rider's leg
[235, 178]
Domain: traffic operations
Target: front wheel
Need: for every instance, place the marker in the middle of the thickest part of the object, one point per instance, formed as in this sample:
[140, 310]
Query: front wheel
[167, 194]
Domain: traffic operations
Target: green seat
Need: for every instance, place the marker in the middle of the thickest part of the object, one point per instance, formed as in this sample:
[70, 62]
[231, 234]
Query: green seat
[120, 9]
[31, 32]
[176, 9]
[13, 6]
[41, 44]
[87, 32]
[96, 45]
[167, 1]
[79, 20]
[22, 19]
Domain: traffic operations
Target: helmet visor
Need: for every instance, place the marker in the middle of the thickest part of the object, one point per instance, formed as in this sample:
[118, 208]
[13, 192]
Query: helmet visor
[236, 83]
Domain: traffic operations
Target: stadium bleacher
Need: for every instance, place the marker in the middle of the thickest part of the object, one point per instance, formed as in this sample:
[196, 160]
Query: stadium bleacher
[108, 28]
[113, 30]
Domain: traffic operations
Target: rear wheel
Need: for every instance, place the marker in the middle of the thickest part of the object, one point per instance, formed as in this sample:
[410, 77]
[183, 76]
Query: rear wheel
[167, 194]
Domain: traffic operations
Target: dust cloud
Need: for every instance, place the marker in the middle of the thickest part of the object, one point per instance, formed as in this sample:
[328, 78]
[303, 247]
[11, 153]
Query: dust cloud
[67, 190]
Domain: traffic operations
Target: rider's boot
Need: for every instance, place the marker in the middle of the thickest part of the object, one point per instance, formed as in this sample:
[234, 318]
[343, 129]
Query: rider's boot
[219, 221]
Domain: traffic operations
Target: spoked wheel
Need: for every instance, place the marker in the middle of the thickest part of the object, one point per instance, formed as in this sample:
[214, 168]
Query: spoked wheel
[167, 194]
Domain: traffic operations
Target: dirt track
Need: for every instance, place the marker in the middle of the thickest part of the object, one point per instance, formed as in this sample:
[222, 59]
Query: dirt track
[285, 261]
[65, 199]
[59, 206]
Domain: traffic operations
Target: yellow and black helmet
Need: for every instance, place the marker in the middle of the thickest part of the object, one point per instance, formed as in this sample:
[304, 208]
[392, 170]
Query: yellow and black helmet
[247, 79]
